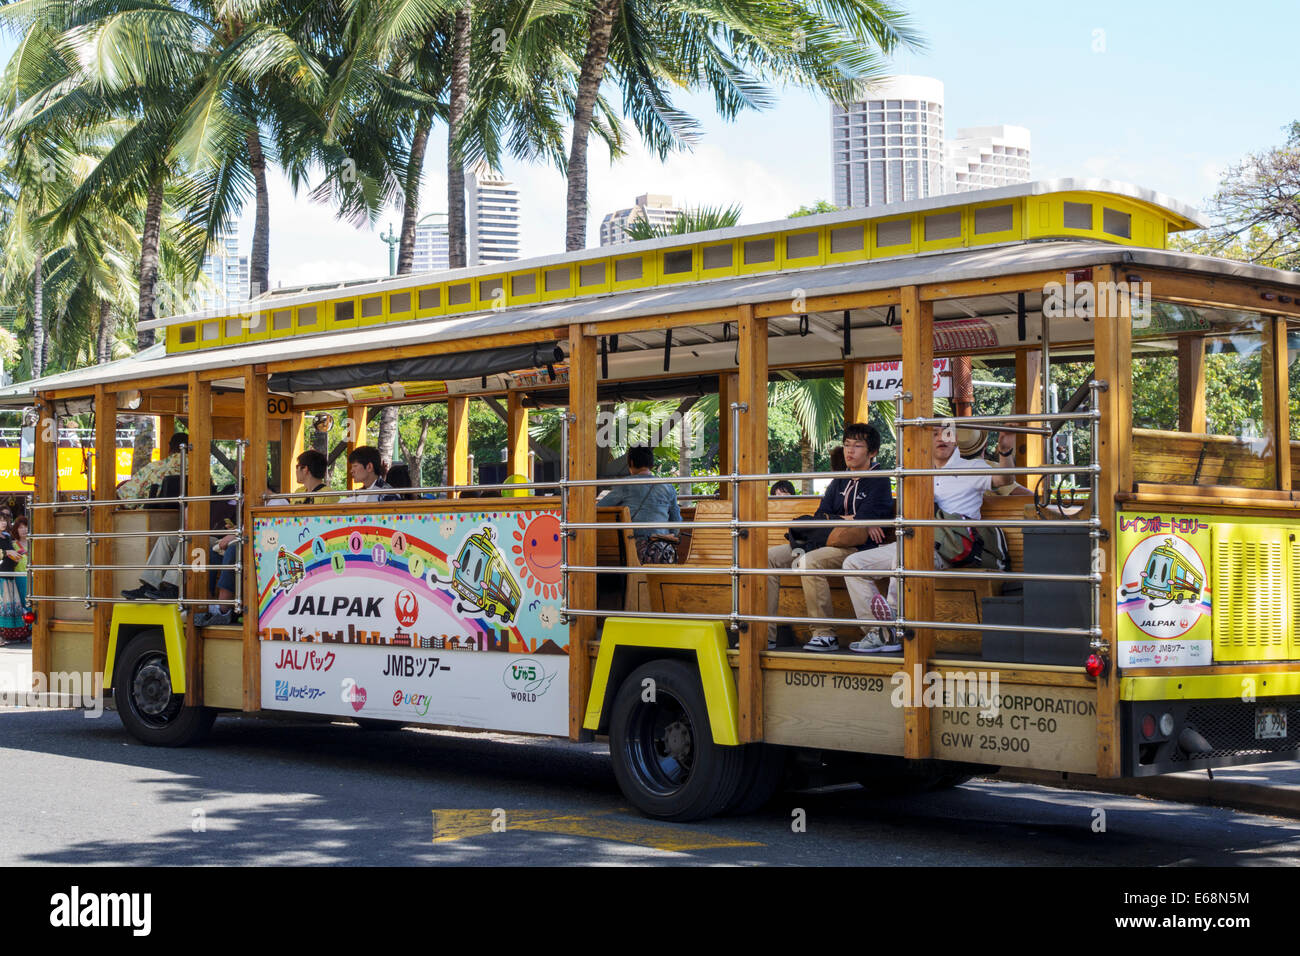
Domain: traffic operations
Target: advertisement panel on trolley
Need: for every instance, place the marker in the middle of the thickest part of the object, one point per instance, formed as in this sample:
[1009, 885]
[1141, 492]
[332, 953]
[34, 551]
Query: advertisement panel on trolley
[439, 618]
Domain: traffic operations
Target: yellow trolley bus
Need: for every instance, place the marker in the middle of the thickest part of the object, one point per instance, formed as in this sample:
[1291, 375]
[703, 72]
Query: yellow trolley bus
[1064, 661]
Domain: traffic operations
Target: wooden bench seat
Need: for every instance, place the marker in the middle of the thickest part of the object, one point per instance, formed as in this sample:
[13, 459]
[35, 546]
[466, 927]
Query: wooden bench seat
[1184, 458]
[955, 600]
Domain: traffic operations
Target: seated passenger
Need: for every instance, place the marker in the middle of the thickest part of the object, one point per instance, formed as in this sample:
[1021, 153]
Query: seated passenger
[647, 502]
[782, 489]
[138, 485]
[310, 471]
[858, 498]
[365, 468]
[959, 494]
[162, 579]
[399, 477]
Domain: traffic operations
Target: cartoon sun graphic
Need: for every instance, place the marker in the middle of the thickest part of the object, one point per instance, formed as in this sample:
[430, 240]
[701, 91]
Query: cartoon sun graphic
[537, 554]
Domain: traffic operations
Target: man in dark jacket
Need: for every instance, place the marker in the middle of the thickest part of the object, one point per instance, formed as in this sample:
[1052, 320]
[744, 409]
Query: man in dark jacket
[868, 498]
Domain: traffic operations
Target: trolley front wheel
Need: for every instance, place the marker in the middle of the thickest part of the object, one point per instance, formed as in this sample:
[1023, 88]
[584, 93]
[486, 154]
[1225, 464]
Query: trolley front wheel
[146, 704]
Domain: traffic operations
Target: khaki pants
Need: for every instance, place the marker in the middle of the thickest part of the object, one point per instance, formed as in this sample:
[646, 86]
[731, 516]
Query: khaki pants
[868, 603]
[166, 550]
[816, 589]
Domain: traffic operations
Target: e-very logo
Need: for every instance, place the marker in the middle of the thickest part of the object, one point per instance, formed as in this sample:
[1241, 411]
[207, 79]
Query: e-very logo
[353, 693]
[406, 607]
[414, 700]
[336, 605]
[526, 679]
[284, 691]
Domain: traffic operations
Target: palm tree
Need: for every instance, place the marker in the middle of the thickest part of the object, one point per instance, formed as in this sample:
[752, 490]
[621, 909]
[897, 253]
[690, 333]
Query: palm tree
[688, 220]
[730, 49]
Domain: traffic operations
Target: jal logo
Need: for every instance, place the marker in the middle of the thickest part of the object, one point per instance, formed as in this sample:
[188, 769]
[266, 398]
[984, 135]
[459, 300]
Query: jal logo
[406, 607]
[353, 693]
[526, 679]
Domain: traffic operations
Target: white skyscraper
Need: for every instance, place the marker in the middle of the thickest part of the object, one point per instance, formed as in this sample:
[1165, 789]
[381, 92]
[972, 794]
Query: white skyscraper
[888, 147]
[653, 208]
[492, 214]
[985, 156]
[227, 271]
[431, 243]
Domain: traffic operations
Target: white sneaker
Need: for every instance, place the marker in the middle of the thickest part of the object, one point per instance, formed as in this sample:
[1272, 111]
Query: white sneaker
[822, 642]
[876, 641]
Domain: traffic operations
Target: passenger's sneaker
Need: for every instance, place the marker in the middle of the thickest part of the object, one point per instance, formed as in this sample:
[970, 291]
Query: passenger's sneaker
[168, 592]
[144, 592]
[879, 640]
[822, 642]
[214, 619]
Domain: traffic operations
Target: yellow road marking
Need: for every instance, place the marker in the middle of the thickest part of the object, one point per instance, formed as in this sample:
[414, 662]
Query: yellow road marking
[619, 826]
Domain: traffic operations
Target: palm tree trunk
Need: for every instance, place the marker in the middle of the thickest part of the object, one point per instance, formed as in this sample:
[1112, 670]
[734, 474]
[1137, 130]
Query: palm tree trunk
[106, 331]
[38, 314]
[459, 99]
[599, 31]
[806, 461]
[149, 241]
[411, 201]
[387, 433]
[259, 263]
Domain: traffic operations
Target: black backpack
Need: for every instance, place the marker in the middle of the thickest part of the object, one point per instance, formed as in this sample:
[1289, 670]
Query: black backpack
[808, 539]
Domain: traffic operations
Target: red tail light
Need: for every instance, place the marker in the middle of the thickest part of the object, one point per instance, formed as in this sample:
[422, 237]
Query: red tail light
[1095, 665]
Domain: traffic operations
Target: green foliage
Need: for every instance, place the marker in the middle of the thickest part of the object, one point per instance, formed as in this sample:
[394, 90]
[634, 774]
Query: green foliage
[816, 209]
[700, 219]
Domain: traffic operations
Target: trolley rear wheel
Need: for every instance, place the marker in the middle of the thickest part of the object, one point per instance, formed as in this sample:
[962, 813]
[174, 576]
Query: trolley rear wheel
[661, 743]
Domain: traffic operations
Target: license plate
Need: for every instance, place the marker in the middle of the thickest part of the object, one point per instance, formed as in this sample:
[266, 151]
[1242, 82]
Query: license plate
[1270, 723]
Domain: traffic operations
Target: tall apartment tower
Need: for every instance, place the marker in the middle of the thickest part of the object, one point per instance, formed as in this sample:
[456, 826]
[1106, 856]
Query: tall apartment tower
[653, 208]
[431, 243]
[887, 146]
[985, 156]
[227, 271]
[492, 217]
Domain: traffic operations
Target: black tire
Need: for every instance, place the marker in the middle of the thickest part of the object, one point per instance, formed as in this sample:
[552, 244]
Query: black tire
[665, 760]
[149, 710]
[760, 779]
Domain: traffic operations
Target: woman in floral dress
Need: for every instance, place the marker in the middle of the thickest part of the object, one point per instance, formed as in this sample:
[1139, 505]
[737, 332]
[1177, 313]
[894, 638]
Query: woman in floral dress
[13, 605]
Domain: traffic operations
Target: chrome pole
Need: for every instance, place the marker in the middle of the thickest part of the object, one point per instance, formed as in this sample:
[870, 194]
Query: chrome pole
[736, 409]
[565, 419]
[1094, 530]
[901, 469]
[182, 538]
[240, 530]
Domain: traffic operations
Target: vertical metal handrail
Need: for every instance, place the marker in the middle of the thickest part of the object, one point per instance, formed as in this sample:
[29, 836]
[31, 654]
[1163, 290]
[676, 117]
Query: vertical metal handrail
[182, 538]
[736, 409]
[90, 552]
[564, 514]
[900, 467]
[1094, 527]
[240, 531]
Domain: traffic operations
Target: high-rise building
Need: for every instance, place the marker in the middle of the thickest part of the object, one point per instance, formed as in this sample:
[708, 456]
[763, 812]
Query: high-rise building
[492, 217]
[984, 156]
[227, 271]
[887, 146]
[431, 243]
[653, 208]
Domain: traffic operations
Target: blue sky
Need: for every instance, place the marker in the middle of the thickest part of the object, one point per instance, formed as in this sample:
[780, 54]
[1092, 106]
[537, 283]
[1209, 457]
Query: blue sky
[1163, 94]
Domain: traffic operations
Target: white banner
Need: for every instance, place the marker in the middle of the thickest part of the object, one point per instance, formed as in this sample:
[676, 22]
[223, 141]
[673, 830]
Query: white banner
[493, 691]
[885, 379]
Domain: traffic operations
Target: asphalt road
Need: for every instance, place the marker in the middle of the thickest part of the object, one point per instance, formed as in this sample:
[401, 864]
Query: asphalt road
[261, 791]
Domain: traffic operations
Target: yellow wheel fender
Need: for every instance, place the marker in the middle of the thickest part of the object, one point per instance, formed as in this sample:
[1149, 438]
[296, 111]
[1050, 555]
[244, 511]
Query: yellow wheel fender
[707, 640]
[128, 619]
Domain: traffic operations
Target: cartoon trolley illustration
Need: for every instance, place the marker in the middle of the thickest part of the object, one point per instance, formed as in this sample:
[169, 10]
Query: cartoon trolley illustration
[289, 569]
[482, 580]
[1168, 577]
